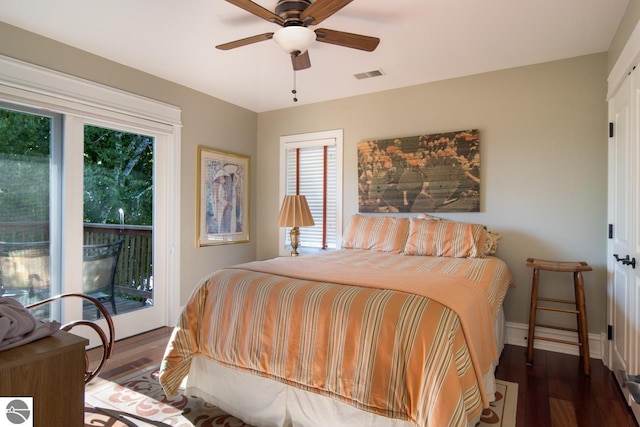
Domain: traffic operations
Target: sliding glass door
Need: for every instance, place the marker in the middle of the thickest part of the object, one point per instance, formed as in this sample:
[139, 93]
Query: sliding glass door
[113, 228]
[77, 214]
[118, 219]
[29, 177]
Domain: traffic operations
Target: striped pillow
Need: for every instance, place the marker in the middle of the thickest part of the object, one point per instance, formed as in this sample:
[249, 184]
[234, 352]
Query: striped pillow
[382, 234]
[445, 238]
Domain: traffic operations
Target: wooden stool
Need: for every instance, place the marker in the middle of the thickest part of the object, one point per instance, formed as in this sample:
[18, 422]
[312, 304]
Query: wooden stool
[581, 310]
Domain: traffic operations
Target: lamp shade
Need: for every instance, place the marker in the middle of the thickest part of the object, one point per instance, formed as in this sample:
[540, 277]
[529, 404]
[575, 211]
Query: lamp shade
[294, 38]
[295, 212]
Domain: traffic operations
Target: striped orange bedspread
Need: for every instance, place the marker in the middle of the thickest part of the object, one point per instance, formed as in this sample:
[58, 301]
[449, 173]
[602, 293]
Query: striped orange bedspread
[400, 336]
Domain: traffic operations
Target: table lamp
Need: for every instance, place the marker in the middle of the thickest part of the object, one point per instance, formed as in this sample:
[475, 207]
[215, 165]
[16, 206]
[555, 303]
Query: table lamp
[295, 213]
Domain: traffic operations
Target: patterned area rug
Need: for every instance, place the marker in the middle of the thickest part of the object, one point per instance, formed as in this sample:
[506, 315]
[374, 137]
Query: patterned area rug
[138, 400]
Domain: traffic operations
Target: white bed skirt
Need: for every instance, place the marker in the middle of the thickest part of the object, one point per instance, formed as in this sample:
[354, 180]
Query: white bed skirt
[265, 402]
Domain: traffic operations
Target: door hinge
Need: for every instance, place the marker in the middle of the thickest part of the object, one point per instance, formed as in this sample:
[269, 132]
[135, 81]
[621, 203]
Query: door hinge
[610, 129]
[609, 332]
[611, 231]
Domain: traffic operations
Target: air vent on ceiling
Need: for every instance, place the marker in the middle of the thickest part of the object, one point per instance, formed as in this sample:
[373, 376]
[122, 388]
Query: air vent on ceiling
[369, 74]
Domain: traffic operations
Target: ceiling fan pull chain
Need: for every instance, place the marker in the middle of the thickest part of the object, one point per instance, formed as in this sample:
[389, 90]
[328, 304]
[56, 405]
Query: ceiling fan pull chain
[294, 91]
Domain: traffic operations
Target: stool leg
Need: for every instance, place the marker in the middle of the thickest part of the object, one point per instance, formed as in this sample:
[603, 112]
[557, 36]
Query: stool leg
[532, 315]
[583, 331]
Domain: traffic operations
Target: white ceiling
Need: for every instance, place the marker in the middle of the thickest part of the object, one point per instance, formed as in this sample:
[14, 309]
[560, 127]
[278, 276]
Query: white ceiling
[421, 41]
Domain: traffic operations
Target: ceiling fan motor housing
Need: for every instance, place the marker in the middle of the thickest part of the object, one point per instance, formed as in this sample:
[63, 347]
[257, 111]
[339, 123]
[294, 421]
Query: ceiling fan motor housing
[295, 36]
[290, 10]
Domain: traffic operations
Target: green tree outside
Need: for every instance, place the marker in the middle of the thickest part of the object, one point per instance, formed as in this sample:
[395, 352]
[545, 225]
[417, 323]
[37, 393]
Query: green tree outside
[24, 167]
[118, 172]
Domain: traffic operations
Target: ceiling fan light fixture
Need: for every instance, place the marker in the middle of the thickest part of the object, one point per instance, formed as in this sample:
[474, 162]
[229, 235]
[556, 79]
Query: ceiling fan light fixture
[294, 38]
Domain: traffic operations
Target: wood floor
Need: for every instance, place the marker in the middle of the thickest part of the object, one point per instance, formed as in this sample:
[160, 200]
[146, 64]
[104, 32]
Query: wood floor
[133, 353]
[553, 392]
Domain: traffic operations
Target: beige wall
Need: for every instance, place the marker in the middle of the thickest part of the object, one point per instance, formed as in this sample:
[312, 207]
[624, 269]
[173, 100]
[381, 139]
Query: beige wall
[543, 170]
[206, 121]
[543, 154]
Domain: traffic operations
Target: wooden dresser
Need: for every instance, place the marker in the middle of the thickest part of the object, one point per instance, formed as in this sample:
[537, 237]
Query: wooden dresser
[51, 370]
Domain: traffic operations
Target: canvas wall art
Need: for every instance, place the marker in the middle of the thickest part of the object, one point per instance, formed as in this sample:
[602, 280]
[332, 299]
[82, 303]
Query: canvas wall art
[425, 173]
[223, 198]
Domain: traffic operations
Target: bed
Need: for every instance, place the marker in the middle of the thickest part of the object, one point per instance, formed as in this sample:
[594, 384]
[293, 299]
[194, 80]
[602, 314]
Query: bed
[402, 326]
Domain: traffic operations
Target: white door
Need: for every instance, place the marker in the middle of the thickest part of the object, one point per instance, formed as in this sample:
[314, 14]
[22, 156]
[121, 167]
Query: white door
[623, 199]
[154, 313]
[633, 364]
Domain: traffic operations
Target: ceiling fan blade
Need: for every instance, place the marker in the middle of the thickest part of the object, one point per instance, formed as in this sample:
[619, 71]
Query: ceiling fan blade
[301, 61]
[320, 10]
[245, 41]
[340, 38]
[257, 10]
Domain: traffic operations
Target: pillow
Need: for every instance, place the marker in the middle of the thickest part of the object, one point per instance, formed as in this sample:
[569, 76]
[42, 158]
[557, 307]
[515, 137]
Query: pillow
[376, 233]
[446, 238]
[490, 243]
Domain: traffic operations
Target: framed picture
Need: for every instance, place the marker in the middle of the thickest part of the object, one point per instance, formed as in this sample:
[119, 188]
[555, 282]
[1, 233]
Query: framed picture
[223, 198]
[423, 173]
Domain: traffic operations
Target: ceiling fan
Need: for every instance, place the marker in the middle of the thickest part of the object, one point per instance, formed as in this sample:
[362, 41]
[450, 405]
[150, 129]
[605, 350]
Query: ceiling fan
[295, 16]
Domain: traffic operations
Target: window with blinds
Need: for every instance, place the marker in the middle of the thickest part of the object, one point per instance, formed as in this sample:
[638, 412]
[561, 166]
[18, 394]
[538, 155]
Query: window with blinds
[312, 165]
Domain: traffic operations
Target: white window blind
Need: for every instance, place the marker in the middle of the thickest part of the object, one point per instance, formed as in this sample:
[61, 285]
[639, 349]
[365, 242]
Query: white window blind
[312, 166]
[321, 196]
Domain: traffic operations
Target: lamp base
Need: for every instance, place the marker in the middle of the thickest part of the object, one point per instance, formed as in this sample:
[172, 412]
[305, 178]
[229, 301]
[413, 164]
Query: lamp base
[294, 234]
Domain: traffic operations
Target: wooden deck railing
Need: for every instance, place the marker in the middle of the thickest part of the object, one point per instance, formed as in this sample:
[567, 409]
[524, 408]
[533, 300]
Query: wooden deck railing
[24, 231]
[134, 274]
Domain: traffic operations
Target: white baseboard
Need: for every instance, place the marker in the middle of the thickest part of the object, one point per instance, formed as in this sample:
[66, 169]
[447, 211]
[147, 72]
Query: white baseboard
[517, 335]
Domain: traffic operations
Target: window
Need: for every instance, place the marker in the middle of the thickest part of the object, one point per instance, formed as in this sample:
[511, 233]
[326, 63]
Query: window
[312, 166]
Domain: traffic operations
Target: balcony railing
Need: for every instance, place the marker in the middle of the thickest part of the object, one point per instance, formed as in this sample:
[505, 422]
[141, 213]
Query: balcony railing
[134, 274]
[24, 231]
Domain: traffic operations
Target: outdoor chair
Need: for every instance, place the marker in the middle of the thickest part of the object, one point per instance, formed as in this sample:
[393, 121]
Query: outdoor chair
[24, 270]
[99, 264]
